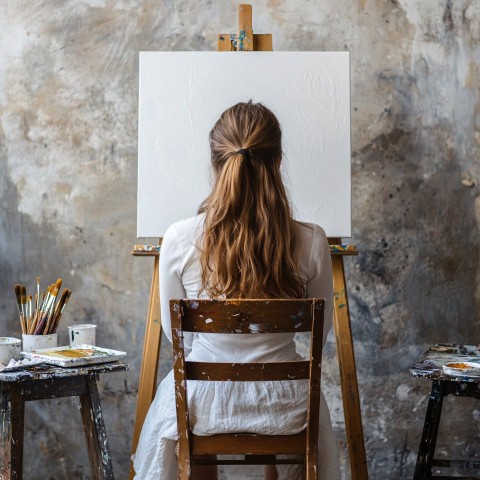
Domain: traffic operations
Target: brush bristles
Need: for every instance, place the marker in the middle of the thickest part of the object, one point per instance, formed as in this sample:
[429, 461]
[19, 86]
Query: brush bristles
[42, 316]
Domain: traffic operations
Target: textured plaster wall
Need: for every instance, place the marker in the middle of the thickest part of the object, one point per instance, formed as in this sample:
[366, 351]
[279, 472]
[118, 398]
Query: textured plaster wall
[68, 141]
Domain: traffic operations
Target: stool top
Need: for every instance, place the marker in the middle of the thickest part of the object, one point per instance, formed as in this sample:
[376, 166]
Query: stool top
[430, 364]
[44, 371]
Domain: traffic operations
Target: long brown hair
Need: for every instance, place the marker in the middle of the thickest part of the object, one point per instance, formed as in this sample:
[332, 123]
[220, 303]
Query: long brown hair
[249, 242]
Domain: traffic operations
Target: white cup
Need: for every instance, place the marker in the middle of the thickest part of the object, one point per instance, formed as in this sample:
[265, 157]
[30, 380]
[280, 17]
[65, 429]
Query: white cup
[10, 348]
[37, 342]
[83, 333]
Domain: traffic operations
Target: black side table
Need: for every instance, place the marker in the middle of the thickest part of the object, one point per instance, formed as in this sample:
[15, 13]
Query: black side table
[430, 366]
[16, 388]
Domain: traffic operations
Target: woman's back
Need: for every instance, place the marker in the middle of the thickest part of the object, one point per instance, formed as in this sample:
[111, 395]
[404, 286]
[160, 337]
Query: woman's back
[181, 278]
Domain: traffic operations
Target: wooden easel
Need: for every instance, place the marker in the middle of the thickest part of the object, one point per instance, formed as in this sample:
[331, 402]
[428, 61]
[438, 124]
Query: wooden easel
[246, 40]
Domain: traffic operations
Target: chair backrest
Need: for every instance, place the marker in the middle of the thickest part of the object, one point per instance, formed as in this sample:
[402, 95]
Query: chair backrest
[235, 316]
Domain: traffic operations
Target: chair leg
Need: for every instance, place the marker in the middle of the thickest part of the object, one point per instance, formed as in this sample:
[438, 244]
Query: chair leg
[311, 469]
[184, 461]
[184, 471]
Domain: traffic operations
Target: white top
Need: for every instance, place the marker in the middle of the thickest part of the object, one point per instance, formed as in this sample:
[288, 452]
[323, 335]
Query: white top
[269, 408]
[180, 277]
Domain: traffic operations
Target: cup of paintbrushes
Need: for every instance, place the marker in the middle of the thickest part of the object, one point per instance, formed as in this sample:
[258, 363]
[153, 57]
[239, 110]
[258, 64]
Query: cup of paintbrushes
[40, 324]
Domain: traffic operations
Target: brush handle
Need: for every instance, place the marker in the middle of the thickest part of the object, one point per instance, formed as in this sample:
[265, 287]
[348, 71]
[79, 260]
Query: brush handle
[23, 324]
[34, 324]
[41, 324]
[48, 322]
[56, 315]
[61, 307]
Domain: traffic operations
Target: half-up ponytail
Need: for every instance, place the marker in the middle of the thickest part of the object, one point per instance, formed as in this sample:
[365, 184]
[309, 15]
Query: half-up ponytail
[248, 247]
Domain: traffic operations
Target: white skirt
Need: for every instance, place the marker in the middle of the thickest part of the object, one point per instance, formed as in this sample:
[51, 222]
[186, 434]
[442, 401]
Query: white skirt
[268, 408]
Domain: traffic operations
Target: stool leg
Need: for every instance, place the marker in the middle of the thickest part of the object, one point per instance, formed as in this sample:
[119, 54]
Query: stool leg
[5, 434]
[423, 468]
[12, 413]
[18, 416]
[95, 433]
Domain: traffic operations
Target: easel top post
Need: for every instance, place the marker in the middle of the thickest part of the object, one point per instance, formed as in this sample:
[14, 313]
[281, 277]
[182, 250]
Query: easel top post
[244, 40]
[245, 29]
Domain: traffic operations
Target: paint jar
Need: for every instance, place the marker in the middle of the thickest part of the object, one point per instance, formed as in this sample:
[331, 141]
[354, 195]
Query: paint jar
[37, 342]
[10, 348]
[82, 334]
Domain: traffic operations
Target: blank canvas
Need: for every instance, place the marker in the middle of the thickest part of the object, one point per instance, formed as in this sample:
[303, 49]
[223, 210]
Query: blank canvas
[182, 95]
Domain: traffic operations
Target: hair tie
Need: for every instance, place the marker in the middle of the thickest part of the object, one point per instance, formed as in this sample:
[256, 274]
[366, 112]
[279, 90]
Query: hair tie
[245, 152]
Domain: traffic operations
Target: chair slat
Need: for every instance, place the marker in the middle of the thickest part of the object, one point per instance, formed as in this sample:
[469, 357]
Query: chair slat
[243, 443]
[248, 316]
[247, 371]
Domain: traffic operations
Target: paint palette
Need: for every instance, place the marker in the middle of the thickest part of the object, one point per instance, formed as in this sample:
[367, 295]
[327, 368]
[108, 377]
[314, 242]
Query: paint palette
[467, 369]
[443, 347]
[15, 366]
[75, 355]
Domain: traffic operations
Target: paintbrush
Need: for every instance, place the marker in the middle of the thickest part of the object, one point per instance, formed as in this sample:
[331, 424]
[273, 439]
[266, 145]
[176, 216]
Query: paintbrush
[24, 306]
[44, 311]
[36, 306]
[18, 294]
[37, 315]
[58, 307]
[29, 313]
[48, 320]
[63, 301]
[37, 298]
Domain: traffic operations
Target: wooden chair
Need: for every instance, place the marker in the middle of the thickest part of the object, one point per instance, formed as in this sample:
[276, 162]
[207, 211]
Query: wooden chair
[253, 317]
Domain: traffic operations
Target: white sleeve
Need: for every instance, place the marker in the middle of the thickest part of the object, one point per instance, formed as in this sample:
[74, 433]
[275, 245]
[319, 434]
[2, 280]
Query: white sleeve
[320, 283]
[171, 286]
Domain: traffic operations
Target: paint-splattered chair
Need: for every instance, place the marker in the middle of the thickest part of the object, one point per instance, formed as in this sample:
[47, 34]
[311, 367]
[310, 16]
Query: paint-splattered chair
[247, 317]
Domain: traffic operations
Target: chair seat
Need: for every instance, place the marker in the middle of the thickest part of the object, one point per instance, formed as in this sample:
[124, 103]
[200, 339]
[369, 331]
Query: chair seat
[240, 443]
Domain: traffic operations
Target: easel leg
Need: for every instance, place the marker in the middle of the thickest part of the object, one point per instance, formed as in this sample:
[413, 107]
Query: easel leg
[151, 353]
[348, 374]
[426, 450]
[95, 434]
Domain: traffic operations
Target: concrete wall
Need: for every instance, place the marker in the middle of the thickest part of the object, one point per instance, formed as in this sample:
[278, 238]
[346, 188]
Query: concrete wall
[68, 141]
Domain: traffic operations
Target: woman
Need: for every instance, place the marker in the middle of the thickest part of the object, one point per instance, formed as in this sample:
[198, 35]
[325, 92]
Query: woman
[243, 243]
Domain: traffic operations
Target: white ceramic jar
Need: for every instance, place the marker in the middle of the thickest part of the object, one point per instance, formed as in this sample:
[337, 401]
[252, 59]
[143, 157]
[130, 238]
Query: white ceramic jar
[9, 348]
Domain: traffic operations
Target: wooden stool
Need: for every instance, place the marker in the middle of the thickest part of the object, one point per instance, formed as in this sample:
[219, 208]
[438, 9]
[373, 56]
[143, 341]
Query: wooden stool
[430, 366]
[16, 388]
